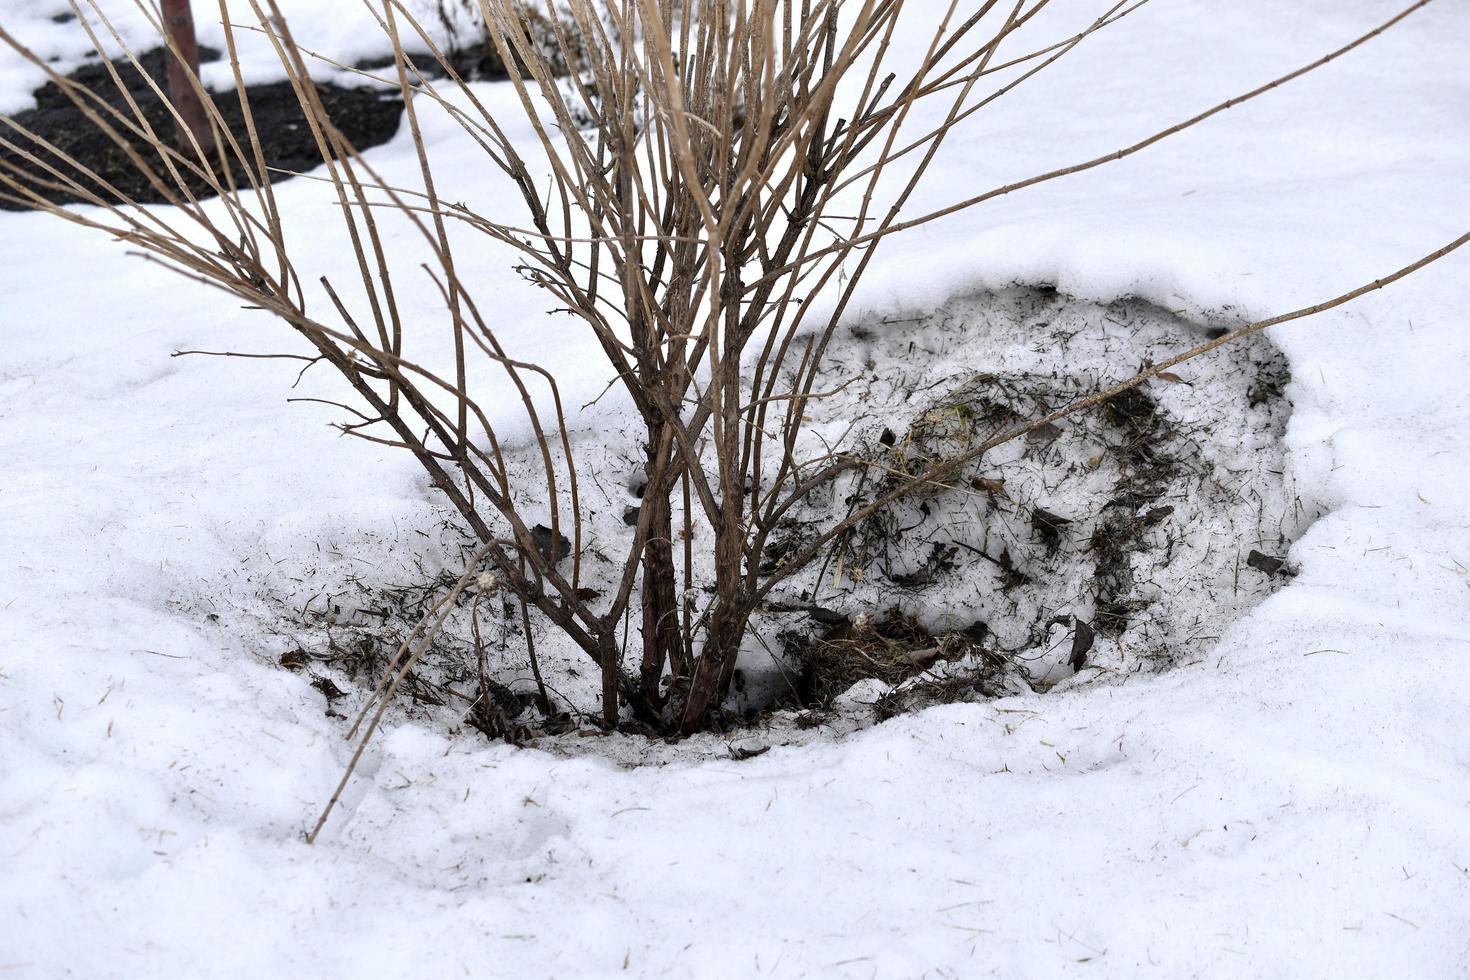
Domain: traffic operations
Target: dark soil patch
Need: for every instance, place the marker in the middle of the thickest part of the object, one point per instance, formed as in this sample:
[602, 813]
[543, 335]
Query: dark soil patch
[366, 116]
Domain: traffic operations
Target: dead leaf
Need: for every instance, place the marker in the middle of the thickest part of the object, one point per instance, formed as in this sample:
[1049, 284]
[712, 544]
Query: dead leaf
[993, 485]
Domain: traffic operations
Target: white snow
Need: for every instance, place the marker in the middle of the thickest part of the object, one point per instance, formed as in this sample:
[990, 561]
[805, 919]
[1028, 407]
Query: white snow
[1294, 803]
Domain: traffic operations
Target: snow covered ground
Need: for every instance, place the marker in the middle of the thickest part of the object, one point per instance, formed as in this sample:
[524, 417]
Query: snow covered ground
[1295, 803]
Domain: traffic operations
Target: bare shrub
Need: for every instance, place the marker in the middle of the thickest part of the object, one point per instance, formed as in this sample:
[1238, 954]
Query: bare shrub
[716, 179]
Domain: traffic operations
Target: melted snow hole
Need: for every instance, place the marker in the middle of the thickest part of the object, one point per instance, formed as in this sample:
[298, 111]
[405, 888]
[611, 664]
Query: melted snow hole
[1120, 539]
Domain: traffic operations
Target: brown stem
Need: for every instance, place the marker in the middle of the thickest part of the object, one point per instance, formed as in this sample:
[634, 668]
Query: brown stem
[183, 71]
[716, 665]
[662, 642]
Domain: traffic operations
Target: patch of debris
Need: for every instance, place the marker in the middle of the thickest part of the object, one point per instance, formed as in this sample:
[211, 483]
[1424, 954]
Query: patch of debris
[1145, 471]
[895, 650]
[343, 618]
[1118, 539]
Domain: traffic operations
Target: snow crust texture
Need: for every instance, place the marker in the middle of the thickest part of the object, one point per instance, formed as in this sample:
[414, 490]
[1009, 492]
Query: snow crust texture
[1293, 802]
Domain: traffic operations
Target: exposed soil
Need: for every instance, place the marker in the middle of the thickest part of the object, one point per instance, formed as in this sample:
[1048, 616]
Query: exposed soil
[367, 116]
